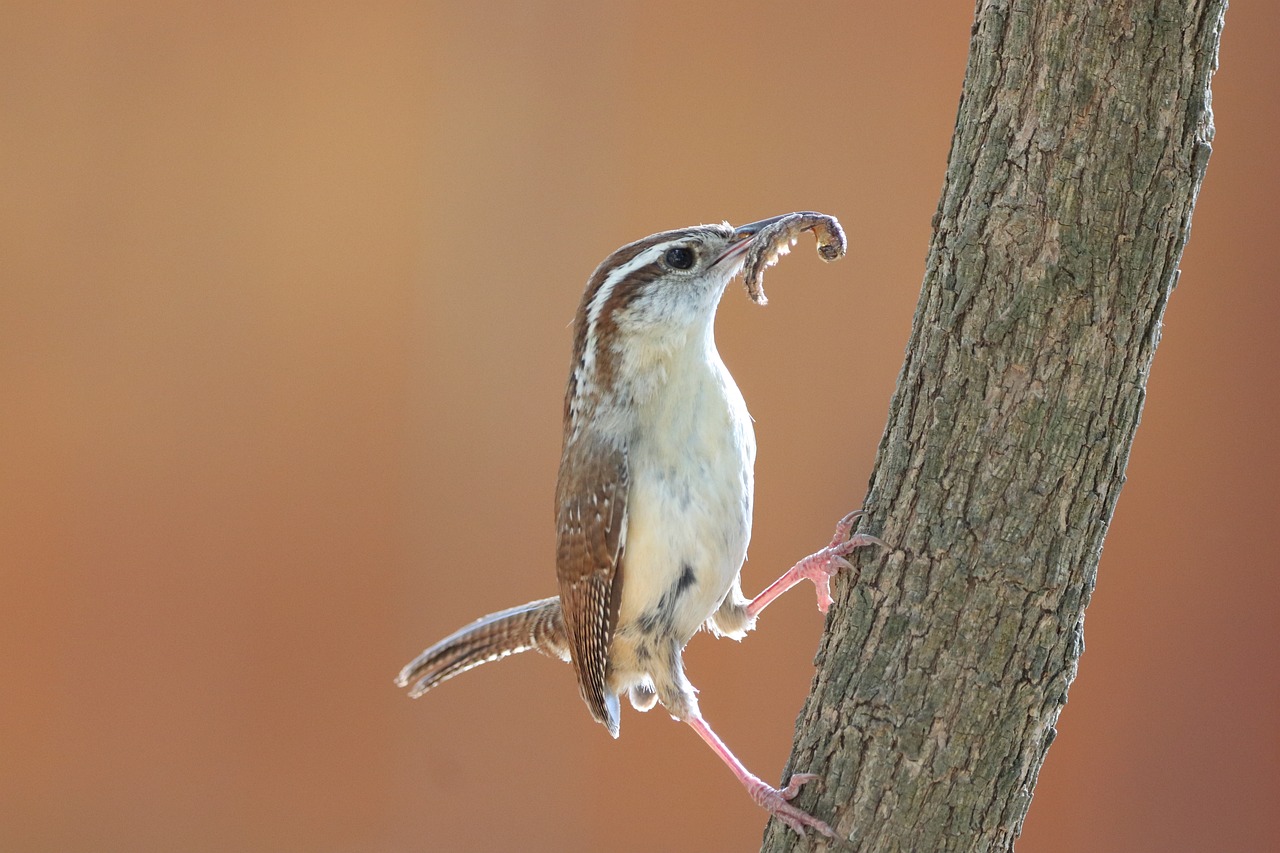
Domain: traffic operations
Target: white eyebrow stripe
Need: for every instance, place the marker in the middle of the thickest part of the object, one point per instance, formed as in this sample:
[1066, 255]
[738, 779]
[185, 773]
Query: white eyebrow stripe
[616, 277]
[601, 298]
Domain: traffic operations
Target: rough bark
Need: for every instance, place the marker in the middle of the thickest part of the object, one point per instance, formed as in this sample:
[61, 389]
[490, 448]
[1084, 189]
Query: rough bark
[1081, 140]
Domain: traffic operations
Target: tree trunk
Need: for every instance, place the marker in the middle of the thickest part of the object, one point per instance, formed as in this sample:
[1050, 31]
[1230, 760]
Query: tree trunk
[1081, 140]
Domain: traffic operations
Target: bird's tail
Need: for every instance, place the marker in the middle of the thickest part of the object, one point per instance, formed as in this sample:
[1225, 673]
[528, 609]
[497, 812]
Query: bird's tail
[538, 625]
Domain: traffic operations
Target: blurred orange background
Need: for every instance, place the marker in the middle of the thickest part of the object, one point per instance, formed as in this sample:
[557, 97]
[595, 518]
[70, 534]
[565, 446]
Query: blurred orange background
[284, 323]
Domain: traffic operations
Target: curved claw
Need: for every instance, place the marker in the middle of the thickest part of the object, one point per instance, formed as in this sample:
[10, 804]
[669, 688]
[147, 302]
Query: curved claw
[793, 786]
[845, 526]
[853, 543]
[820, 566]
[777, 803]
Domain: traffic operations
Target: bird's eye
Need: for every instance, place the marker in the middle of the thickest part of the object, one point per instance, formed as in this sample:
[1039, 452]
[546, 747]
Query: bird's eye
[679, 258]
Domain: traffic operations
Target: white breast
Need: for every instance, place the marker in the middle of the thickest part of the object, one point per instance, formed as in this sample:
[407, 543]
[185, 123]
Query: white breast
[689, 506]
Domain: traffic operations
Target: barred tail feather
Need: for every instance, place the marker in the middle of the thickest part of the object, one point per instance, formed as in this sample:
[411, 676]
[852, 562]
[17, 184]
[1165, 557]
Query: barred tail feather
[538, 625]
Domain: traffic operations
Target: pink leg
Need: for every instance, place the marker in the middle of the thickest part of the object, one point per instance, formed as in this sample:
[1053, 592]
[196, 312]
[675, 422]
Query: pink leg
[818, 567]
[775, 801]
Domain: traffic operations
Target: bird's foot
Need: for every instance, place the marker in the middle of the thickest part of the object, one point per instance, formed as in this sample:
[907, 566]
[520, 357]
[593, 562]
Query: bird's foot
[819, 567]
[778, 803]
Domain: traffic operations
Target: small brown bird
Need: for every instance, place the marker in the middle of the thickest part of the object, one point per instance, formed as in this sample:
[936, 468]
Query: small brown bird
[654, 496]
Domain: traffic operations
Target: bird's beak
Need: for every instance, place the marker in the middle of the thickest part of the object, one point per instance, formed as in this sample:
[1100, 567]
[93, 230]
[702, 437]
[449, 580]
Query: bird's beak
[742, 237]
[745, 232]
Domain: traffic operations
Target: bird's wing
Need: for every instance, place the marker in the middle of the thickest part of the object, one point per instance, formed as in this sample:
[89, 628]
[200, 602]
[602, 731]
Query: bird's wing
[591, 535]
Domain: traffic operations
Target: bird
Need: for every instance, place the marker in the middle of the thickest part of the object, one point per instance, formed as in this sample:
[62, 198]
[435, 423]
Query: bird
[654, 496]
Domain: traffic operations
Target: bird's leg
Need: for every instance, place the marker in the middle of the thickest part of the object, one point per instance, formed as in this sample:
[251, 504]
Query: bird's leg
[818, 567]
[777, 802]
